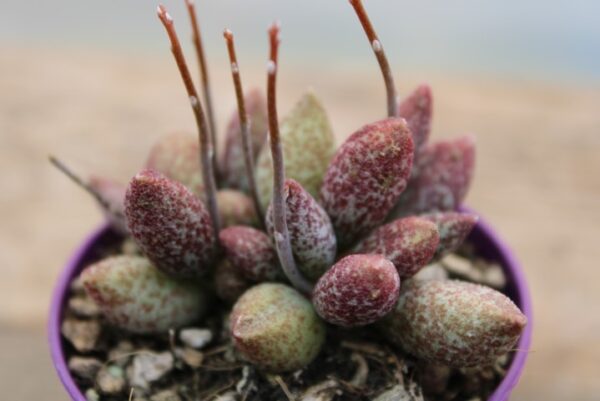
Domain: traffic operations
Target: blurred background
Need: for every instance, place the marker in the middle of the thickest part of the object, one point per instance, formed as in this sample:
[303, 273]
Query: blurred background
[94, 83]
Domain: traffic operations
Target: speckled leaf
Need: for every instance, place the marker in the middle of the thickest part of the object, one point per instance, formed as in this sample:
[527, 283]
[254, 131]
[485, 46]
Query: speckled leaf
[114, 194]
[409, 243]
[137, 297]
[454, 227]
[417, 109]
[357, 290]
[366, 176]
[308, 145]
[311, 233]
[443, 175]
[454, 322]
[275, 328]
[170, 224]
[177, 156]
[229, 282]
[251, 252]
[236, 208]
[233, 167]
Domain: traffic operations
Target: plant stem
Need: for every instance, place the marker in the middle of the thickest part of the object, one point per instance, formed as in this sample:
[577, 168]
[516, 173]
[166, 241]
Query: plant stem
[392, 95]
[281, 234]
[206, 146]
[80, 182]
[197, 40]
[244, 124]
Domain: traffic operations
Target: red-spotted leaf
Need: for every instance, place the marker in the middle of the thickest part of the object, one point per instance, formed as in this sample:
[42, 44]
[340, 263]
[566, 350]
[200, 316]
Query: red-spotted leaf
[442, 177]
[417, 109]
[177, 156]
[366, 176]
[454, 322]
[251, 252]
[409, 243]
[454, 227]
[236, 208]
[311, 234]
[170, 224]
[113, 193]
[233, 168]
[229, 282]
[357, 290]
[137, 297]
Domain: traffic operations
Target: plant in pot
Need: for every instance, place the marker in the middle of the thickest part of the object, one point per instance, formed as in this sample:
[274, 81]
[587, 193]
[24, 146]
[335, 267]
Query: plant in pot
[308, 274]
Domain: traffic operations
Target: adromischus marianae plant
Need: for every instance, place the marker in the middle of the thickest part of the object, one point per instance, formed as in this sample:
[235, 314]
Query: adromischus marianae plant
[326, 236]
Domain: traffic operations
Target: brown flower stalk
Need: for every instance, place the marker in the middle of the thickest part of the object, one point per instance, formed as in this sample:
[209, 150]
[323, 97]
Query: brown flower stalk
[282, 237]
[207, 94]
[206, 145]
[392, 95]
[244, 123]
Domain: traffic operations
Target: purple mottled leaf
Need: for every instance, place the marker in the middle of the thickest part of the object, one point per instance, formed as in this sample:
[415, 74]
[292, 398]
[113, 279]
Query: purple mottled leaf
[357, 290]
[311, 234]
[454, 227]
[409, 243]
[170, 224]
[366, 176]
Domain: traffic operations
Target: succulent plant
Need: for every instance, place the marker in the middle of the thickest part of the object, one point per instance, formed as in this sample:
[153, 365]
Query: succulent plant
[134, 295]
[276, 328]
[308, 145]
[454, 322]
[306, 235]
[170, 224]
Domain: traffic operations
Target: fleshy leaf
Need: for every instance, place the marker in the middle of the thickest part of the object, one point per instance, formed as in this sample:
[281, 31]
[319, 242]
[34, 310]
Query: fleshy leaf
[233, 169]
[236, 208]
[357, 290]
[454, 227]
[114, 194]
[276, 328]
[308, 145]
[177, 156]
[137, 297]
[409, 243]
[170, 224]
[417, 109]
[229, 282]
[454, 322]
[442, 178]
[251, 252]
[311, 233]
[366, 176]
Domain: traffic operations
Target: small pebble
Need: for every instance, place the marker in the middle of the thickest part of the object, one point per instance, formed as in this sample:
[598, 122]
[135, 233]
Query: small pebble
[82, 334]
[432, 272]
[195, 338]
[479, 271]
[190, 356]
[166, 395]
[149, 367]
[111, 380]
[83, 306]
[84, 368]
[92, 395]
[228, 396]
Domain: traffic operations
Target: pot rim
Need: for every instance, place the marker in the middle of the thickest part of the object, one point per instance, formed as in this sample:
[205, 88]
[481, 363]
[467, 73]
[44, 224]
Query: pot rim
[506, 258]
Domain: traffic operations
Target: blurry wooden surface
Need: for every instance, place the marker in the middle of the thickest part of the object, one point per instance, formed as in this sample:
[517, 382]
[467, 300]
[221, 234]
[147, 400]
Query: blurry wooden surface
[537, 182]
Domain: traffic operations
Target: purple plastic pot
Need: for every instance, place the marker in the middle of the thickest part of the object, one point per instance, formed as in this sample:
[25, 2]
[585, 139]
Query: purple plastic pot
[486, 241]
